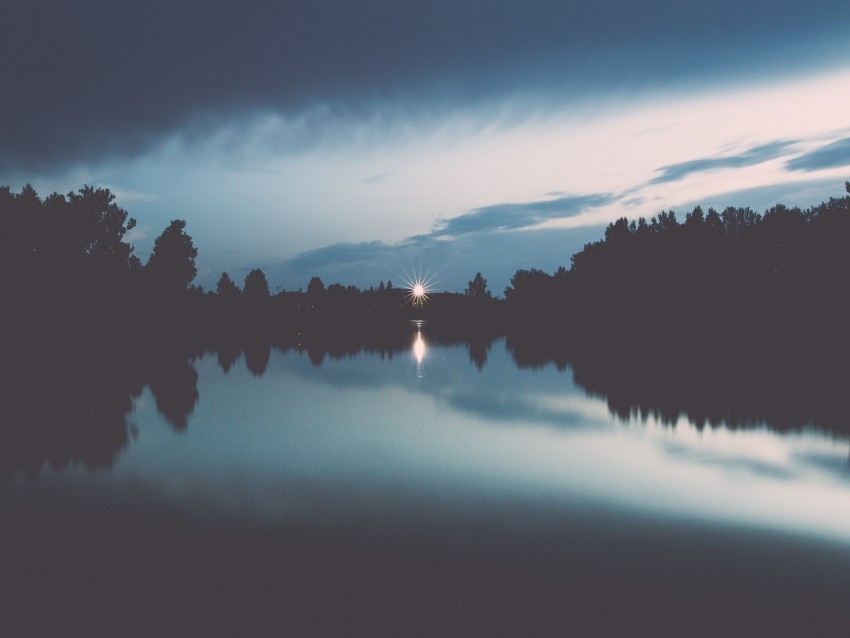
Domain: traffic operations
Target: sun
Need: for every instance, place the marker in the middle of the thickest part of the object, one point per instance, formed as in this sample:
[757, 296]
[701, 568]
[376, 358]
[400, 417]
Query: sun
[419, 287]
[417, 292]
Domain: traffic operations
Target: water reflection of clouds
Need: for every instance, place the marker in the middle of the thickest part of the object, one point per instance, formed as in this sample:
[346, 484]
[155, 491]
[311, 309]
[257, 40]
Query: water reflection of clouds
[731, 463]
[526, 402]
[370, 423]
[513, 409]
[834, 464]
[504, 393]
[755, 453]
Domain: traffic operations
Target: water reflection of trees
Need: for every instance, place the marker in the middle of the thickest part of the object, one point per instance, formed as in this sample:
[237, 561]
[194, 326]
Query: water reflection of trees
[70, 403]
[652, 380]
[386, 340]
[706, 387]
[60, 412]
[67, 404]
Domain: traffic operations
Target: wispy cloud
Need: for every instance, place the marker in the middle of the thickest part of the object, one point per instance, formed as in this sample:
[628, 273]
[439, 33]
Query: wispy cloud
[750, 157]
[834, 155]
[137, 234]
[124, 196]
[374, 179]
[514, 216]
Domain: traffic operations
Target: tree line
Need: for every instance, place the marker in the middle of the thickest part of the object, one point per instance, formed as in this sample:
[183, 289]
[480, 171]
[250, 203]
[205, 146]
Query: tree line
[72, 287]
[733, 277]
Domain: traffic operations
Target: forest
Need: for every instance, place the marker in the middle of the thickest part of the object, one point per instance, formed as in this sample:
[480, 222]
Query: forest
[735, 279]
[732, 276]
[69, 278]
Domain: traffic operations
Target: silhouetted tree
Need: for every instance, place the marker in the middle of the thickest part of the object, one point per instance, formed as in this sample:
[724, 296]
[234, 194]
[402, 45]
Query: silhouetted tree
[100, 227]
[738, 221]
[256, 291]
[80, 235]
[315, 292]
[171, 266]
[339, 297]
[64, 264]
[227, 290]
[476, 289]
[529, 287]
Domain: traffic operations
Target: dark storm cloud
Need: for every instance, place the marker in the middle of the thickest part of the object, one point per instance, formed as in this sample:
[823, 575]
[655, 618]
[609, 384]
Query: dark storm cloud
[87, 78]
[834, 155]
[522, 215]
[750, 157]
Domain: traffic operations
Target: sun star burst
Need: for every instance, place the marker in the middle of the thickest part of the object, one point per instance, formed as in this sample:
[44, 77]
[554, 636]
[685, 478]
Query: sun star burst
[417, 293]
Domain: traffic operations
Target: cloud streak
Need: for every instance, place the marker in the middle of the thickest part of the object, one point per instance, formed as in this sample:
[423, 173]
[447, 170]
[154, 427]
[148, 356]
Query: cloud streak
[511, 216]
[342, 253]
[834, 155]
[750, 157]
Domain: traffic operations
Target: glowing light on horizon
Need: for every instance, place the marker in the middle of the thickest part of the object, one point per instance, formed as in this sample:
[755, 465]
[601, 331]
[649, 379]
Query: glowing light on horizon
[418, 288]
[418, 293]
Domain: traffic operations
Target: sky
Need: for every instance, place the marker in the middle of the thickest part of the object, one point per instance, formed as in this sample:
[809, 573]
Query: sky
[362, 141]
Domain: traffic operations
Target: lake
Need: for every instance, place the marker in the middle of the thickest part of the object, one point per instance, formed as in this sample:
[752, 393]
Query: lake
[435, 489]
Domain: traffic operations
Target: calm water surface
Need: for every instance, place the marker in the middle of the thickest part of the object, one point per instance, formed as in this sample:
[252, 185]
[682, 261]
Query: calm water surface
[506, 478]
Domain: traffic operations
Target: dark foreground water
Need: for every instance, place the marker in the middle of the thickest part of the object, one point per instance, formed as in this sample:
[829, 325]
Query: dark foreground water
[425, 492]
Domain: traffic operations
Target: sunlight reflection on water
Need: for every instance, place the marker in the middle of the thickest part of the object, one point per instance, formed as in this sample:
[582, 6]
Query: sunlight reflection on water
[419, 352]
